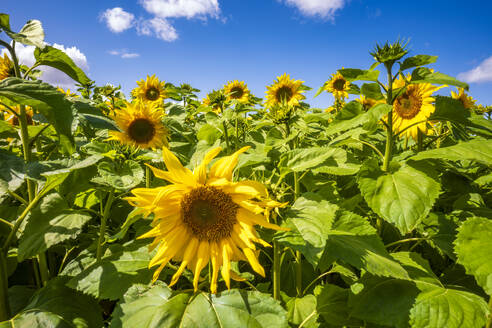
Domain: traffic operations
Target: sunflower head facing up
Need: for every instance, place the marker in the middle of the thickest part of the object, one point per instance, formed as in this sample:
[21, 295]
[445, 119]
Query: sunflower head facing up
[6, 67]
[150, 90]
[237, 90]
[338, 86]
[414, 105]
[467, 101]
[141, 126]
[203, 216]
[284, 90]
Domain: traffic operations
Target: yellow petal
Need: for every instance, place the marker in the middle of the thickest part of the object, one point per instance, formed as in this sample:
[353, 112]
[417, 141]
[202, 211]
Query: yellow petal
[252, 219]
[200, 172]
[216, 263]
[201, 261]
[188, 256]
[226, 264]
[223, 167]
[250, 255]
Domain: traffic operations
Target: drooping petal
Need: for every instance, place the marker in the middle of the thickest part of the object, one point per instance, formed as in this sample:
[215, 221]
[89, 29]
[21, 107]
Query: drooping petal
[216, 263]
[200, 172]
[202, 259]
[188, 256]
[252, 219]
[223, 167]
[253, 261]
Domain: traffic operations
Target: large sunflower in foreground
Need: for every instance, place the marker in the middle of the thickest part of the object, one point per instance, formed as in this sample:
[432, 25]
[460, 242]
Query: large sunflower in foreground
[284, 90]
[412, 108]
[141, 126]
[467, 101]
[151, 90]
[237, 90]
[338, 86]
[6, 67]
[204, 217]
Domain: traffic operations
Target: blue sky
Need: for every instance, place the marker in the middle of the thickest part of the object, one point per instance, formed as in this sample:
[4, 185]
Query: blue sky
[209, 42]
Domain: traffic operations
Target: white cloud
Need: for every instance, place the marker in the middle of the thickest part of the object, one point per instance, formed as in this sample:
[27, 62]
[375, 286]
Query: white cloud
[117, 19]
[481, 73]
[51, 75]
[182, 8]
[323, 8]
[123, 53]
[159, 27]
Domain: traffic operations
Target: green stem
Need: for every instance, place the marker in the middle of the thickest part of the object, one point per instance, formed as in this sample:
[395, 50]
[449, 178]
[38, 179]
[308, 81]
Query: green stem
[276, 270]
[389, 135]
[298, 273]
[420, 139]
[4, 288]
[43, 268]
[147, 177]
[226, 135]
[104, 219]
[404, 241]
[489, 322]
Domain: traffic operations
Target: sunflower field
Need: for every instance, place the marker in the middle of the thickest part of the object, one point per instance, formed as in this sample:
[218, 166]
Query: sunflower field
[160, 209]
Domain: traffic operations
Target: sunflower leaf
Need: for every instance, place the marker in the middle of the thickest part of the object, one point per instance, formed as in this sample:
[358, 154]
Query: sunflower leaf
[369, 119]
[120, 176]
[474, 249]
[355, 74]
[372, 90]
[425, 75]
[158, 306]
[418, 60]
[31, 34]
[403, 196]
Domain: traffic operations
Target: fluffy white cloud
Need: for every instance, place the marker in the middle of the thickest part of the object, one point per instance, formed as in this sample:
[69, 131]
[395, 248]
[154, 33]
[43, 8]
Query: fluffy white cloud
[159, 27]
[117, 19]
[481, 73]
[123, 53]
[182, 8]
[323, 8]
[51, 75]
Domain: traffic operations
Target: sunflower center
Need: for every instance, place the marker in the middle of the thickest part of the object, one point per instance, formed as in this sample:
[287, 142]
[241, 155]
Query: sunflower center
[141, 130]
[284, 94]
[408, 105]
[152, 94]
[236, 92]
[209, 213]
[339, 84]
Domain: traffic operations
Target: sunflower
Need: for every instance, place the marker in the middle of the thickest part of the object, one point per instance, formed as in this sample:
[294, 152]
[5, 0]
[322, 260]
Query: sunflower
[201, 218]
[368, 103]
[338, 86]
[151, 90]
[68, 93]
[467, 101]
[14, 120]
[6, 67]
[236, 90]
[141, 125]
[215, 107]
[413, 106]
[284, 89]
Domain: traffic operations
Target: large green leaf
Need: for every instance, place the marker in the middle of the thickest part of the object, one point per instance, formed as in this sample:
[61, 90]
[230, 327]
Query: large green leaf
[450, 109]
[368, 119]
[7, 130]
[50, 223]
[50, 56]
[309, 220]
[31, 34]
[353, 240]
[355, 74]
[421, 301]
[209, 133]
[12, 173]
[474, 250]
[302, 310]
[332, 305]
[158, 306]
[46, 99]
[58, 306]
[120, 176]
[477, 150]
[4, 22]
[372, 90]
[425, 75]
[403, 196]
[417, 60]
[114, 274]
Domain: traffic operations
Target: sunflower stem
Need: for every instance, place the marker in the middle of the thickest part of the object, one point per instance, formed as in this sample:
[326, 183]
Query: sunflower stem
[226, 135]
[43, 268]
[4, 287]
[420, 140]
[102, 229]
[276, 270]
[489, 321]
[147, 177]
[389, 134]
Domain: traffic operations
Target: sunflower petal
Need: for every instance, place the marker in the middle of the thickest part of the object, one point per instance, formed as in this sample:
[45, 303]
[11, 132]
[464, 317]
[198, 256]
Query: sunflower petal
[188, 256]
[200, 172]
[223, 167]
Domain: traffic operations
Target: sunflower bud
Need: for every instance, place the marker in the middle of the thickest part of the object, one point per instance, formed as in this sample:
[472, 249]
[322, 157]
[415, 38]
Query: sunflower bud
[388, 54]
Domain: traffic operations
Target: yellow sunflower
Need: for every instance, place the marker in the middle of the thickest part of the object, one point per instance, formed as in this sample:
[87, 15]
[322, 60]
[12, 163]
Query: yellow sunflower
[68, 93]
[14, 120]
[368, 103]
[141, 126]
[338, 86]
[467, 101]
[203, 216]
[6, 67]
[414, 105]
[237, 90]
[151, 90]
[284, 89]
[215, 107]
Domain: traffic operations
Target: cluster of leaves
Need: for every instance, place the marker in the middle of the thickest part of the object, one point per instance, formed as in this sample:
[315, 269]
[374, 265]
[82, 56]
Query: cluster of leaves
[408, 246]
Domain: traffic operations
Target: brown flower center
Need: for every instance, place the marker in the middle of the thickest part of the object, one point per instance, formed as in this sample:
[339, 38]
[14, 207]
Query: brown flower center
[236, 92]
[209, 213]
[152, 94]
[339, 84]
[284, 94]
[408, 105]
[141, 130]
